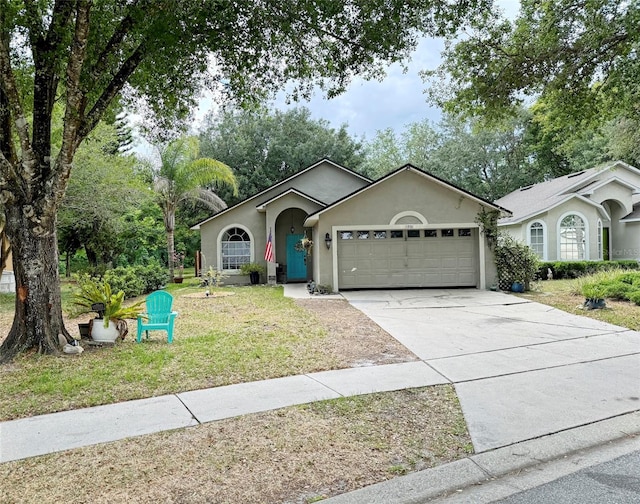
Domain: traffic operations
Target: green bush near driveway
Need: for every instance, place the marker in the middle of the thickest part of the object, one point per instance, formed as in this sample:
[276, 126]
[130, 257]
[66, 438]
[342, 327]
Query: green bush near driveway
[576, 269]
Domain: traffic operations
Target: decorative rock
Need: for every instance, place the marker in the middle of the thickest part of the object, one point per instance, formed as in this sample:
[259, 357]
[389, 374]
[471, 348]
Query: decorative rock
[72, 349]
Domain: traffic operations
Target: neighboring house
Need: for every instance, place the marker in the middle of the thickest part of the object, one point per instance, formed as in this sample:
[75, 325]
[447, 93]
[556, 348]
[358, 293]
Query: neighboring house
[7, 279]
[408, 229]
[589, 215]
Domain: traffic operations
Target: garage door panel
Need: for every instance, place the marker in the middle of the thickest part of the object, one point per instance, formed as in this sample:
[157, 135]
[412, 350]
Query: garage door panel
[424, 261]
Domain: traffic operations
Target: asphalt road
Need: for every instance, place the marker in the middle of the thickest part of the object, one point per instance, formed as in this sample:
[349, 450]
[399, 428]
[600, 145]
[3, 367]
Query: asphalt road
[613, 482]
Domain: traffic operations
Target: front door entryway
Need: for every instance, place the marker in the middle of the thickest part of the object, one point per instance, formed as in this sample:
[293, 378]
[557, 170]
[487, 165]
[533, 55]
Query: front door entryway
[296, 264]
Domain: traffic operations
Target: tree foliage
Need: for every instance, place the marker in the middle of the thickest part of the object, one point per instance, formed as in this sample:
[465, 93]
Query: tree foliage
[91, 56]
[489, 162]
[184, 175]
[580, 56]
[264, 146]
[102, 189]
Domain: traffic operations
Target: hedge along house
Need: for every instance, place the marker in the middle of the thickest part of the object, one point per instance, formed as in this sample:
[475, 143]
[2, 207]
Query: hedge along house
[593, 214]
[407, 229]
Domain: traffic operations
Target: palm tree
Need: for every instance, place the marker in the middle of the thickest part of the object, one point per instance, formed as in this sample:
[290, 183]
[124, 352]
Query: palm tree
[183, 175]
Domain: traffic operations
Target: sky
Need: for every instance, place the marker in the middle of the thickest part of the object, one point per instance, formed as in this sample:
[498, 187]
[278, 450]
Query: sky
[368, 106]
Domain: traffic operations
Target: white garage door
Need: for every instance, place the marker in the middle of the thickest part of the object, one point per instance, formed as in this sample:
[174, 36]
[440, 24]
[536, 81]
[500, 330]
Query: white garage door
[408, 258]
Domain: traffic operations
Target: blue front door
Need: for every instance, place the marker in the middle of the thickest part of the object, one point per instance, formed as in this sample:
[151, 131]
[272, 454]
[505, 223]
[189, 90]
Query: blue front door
[296, 267]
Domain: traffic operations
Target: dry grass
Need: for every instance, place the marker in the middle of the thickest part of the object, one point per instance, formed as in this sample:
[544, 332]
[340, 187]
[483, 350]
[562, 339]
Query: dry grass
[563, 294]
[251, 335]
[294, 455]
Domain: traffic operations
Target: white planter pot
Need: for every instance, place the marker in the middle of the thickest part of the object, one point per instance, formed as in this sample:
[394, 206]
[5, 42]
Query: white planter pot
[102, 335]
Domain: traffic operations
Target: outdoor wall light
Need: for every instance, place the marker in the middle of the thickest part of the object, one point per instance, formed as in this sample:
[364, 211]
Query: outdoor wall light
[327, 240]
[293, 229]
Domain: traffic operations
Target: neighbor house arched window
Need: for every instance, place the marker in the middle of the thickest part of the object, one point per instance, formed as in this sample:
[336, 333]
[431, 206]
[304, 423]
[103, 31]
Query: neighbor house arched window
[236, 248]
[572, 238]
[537, 239]
[599, 240]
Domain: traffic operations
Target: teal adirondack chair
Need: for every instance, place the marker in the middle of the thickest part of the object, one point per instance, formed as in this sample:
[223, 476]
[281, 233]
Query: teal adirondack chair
[158, 317]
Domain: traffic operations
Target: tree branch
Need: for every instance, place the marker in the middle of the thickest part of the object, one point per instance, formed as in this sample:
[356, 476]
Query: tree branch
[75, 95]
[116, 39]
[13, 97]
[34, 18]
[111, 91]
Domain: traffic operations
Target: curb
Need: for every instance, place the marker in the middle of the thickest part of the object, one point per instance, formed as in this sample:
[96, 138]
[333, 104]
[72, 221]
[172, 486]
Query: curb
[424, 486]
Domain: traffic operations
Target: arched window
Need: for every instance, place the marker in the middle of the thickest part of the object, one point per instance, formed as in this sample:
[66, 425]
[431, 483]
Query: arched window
[236, 248]
[573, 238]
[536, 238]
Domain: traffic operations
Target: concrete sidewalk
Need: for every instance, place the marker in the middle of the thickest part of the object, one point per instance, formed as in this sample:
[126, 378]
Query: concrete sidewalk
[55, 432]
[535, 384]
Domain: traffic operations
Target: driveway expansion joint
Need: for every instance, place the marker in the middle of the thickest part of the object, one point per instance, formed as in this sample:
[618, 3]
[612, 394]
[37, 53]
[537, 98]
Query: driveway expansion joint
[177, 396]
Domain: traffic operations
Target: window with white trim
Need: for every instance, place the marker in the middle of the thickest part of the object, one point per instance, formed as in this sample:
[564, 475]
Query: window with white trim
[599, 240]
[572, 238]
[236, 249]
[536, 239]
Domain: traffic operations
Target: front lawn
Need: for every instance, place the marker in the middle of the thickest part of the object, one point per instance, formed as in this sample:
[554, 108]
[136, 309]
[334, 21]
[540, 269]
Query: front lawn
[566, 295]
[297, 454]
[241, 334]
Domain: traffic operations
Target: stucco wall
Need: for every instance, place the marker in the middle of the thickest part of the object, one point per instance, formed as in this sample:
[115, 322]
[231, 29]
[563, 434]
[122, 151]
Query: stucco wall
[552, 219]
[325, 183]
[379, 205]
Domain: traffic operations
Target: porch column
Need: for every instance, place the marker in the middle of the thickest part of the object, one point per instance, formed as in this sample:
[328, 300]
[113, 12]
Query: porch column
[270, 221]
[482, 259]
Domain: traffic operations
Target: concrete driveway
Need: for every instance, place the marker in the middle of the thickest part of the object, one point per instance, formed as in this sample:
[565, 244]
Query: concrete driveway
[521, 369]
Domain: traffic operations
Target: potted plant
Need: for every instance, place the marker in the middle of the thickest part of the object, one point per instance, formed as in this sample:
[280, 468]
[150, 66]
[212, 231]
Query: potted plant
[304, 245]
[96, 296]
[517, 286]
[254, 270]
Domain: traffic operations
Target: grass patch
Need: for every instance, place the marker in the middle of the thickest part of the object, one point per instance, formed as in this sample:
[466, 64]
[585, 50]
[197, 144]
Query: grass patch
[567, 295]
[298, 454]
[253, 334]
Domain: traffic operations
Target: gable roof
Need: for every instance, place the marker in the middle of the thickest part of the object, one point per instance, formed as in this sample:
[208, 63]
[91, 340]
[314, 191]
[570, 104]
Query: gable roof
[535, 199]
[292, 190]
[314, 217]
[283, 181]
[634, 216]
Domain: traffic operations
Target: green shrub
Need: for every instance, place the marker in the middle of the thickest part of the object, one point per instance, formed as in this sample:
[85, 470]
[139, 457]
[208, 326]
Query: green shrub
[125, 279]
[610, 284]
[137, 280]
[154, 276]
[515, 262]
[575, 269]
[634, 297]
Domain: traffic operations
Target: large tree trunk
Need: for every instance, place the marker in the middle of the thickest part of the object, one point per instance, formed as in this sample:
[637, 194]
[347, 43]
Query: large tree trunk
[38, 316]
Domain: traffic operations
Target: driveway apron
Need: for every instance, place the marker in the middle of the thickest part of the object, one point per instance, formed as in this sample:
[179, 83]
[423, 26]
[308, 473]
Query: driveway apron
[521, 369]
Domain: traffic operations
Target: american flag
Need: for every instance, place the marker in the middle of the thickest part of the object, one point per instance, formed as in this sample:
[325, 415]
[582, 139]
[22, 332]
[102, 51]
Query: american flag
[268, 251]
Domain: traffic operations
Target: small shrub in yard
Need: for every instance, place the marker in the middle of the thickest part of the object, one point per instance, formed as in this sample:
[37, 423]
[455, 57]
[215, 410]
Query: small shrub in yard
[515, 262]
[137, 280]
[125, 279]
[611, 285]
[154, 275]
[576, 269]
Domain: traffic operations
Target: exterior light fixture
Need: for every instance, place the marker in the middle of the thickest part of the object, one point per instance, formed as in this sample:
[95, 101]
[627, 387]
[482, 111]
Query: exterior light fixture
[293, 229]
[327, 240]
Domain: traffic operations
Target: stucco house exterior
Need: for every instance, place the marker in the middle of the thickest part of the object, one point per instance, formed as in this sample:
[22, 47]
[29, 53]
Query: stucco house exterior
[590, 215]
[7, 278]
[407, 229]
